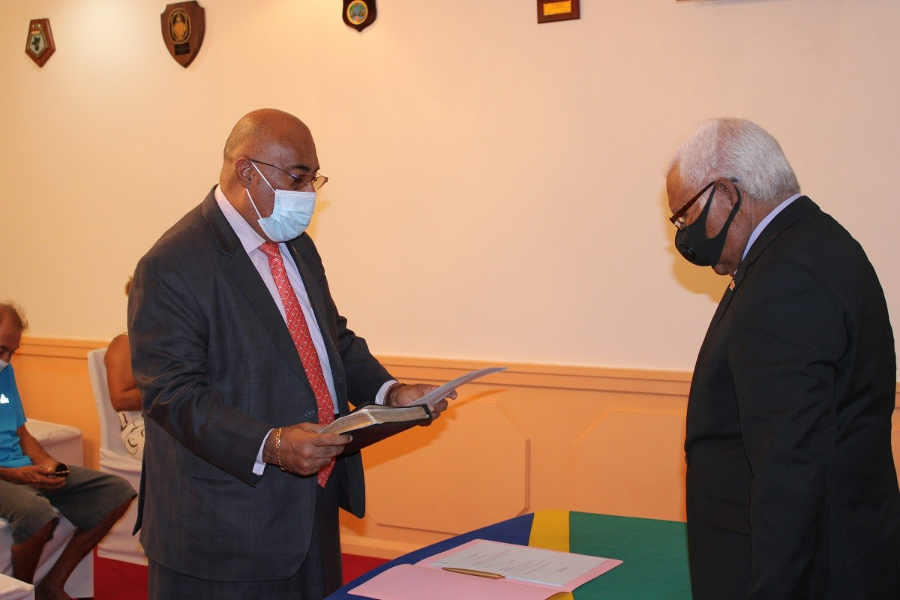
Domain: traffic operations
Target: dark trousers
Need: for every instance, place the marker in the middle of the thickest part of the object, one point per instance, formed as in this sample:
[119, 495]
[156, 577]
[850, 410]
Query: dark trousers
[319, 575]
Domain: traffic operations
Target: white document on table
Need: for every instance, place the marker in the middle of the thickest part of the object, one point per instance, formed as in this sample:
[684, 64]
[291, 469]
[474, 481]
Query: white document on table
[523, 563]
[441, 392]
[517, 573]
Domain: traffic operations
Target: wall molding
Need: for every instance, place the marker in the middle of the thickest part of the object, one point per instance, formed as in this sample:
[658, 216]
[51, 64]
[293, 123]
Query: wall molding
[533, 437]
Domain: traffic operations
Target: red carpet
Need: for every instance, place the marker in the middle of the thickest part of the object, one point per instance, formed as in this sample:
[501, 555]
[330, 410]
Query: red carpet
[116, 580]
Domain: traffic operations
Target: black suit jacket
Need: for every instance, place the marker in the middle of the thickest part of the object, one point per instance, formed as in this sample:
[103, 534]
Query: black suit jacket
[217, 369]
[791, 486]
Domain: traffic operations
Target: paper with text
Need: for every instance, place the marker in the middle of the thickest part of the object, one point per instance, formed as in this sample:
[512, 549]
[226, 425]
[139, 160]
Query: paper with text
[523, 563]
[441, 392]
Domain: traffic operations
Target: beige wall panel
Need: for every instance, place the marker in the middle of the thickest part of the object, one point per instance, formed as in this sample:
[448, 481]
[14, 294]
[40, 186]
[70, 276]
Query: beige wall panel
[477, 448]
[530, 438]
[630, 463]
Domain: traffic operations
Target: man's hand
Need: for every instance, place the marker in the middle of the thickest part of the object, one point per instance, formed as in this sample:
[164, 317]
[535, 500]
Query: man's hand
[304, 450]
[402, 394]
[37, 476]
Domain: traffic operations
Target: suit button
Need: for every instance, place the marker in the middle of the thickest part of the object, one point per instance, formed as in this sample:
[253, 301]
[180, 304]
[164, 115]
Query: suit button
[310, 414]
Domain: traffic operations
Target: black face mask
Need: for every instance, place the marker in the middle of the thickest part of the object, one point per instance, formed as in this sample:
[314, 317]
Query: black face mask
[692, 242]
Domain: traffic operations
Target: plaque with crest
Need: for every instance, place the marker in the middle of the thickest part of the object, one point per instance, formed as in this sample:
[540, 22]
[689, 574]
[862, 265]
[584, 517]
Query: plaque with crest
[39, 46]
[183, 25]
[359, 14]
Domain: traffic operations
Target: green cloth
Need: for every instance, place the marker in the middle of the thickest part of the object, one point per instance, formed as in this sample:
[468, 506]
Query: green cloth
[654, 555]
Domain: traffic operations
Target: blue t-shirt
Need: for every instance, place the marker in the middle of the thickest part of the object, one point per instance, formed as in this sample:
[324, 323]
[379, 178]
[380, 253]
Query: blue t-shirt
[12, 416]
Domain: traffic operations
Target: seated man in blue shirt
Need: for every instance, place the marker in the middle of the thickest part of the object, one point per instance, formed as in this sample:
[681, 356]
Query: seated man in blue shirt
[31, 486]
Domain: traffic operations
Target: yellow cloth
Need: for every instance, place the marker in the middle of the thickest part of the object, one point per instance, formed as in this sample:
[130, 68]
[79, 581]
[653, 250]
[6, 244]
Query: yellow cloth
[550, 530]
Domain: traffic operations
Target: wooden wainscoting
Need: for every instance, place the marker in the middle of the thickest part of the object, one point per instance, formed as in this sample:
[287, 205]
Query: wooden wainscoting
[529, 438]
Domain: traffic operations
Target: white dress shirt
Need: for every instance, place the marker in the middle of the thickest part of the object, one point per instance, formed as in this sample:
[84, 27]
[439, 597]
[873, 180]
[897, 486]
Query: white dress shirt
[762, 224]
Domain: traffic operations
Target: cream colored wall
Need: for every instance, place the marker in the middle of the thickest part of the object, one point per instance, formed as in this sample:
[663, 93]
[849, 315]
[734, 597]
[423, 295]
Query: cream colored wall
[497, 189]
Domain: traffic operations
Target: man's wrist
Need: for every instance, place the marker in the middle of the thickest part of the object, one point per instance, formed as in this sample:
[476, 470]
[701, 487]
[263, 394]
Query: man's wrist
[268, 448]
[391, 392]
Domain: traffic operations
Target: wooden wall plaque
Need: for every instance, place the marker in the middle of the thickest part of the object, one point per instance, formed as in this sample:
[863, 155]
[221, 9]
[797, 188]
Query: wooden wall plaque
[183, 26]
[558, 10]
[359, 14]
[39, 46]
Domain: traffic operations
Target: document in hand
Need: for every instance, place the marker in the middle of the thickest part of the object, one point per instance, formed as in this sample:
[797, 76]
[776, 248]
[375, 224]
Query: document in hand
[484, 569]
[373, 423]
[441, 392]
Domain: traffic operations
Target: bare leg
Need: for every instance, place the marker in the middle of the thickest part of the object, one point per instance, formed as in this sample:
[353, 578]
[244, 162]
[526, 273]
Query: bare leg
[83, 542]
[25, 556]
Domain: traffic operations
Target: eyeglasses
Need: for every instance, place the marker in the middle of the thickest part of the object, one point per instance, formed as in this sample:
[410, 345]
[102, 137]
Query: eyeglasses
[677, 217]
[318, 182]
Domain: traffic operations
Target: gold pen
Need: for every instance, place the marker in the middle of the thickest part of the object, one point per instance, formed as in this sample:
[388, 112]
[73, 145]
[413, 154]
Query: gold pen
[473, 572]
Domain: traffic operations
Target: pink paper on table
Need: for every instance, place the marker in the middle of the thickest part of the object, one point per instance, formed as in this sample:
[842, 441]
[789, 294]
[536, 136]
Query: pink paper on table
[412, 582]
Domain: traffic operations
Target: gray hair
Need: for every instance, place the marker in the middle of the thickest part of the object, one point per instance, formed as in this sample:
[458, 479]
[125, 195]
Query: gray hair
[735, 149]
[13, 312]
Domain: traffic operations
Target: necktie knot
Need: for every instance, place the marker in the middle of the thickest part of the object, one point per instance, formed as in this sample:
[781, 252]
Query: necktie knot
[270, 249]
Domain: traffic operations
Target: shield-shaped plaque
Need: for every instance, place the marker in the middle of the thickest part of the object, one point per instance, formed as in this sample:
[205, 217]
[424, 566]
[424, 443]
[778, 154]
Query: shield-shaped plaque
[183, 25]
[359, 14]
[39, 46]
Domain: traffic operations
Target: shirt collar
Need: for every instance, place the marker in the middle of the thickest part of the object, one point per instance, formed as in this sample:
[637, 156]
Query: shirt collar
[762, 224]
[250, 240]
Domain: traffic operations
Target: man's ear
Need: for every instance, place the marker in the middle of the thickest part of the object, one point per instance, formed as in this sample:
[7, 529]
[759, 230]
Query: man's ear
[243, 171]
[727, 191]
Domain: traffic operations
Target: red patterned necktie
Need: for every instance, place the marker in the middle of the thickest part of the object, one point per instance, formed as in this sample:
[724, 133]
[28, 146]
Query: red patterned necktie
[296, 323]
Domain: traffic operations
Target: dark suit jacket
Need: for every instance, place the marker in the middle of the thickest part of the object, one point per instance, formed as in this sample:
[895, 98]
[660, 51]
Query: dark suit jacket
[791, 486]
[217, 369]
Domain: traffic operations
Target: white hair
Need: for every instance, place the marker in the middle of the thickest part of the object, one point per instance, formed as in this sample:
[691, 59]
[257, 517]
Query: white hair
[12, 311]
[735, 149]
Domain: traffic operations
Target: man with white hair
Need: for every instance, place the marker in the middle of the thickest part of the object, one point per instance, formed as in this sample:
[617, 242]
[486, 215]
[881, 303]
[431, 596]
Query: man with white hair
[791, 486]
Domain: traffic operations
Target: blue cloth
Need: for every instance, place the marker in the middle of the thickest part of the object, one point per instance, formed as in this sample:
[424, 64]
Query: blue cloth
[12, 416]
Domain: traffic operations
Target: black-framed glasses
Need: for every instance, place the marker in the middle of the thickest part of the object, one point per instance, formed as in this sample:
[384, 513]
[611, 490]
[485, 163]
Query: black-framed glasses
[677, 217]
[318, 182]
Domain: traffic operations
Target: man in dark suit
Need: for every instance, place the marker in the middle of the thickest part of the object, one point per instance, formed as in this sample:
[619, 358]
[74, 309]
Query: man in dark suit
[791, 487]
[241, 357]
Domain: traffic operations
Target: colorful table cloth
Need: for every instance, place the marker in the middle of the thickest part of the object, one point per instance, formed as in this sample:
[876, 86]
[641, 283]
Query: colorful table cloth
[654, 552]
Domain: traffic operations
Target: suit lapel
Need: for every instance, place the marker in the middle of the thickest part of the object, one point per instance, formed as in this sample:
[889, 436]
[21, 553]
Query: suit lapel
[798, 209]
[248, 280]
[720, 310]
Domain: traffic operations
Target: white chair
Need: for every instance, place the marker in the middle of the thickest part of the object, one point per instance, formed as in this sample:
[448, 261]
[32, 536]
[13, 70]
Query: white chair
[119, 543]
[65, 444]
[13, 589]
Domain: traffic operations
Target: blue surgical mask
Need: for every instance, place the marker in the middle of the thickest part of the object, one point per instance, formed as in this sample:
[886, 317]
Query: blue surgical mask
[291, 215]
